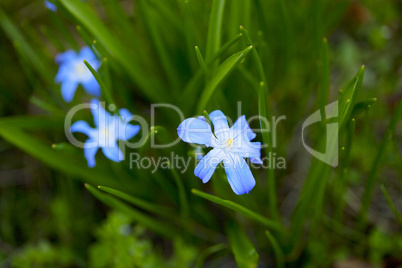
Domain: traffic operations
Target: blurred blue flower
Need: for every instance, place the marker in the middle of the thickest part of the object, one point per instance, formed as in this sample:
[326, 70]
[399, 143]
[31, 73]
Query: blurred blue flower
[109, 129]
[72, 72]
[50, 6]
[230, 146]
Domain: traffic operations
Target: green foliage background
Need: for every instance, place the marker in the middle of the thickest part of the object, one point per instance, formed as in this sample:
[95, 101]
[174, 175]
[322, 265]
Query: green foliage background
[288, 58]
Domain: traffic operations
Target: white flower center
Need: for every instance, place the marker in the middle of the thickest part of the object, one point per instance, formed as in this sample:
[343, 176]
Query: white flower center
[103, 136]
[228, 144]
[81, 71]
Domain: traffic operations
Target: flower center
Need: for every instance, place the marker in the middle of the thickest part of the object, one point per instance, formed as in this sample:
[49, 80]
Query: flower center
[103, 135]
[80, 68]
[229, 142]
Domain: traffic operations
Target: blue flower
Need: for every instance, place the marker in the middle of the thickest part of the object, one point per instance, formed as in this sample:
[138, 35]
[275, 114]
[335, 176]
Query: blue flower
[109, 129]
[230, 146]
[72, 72]
[50, 6]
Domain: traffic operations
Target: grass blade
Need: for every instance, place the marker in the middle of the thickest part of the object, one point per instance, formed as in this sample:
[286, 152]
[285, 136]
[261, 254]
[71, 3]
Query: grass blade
[348, 96]
[154, 225]
[161, 49]
[280, 258]
[391, 204]
[214, 28]
[361, 106]
[157, 209]
[105, 90]
[201, 60]
[221, 73]
[266, 136]
[370, 183]
[243, 250]
[238, 208]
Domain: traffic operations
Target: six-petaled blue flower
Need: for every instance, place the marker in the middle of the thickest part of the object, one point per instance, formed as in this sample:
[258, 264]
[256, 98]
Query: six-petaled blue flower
[109, 129]
[230, 146]
[72, 72]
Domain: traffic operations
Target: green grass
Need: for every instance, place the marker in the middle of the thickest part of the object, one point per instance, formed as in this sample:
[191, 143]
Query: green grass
[277, 58]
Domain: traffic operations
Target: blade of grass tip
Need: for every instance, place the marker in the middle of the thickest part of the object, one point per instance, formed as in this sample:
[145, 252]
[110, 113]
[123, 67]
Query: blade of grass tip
[262, 110]
[208, 120]
[161, 49]
[154, 225]
[370, 183]
[240, 209]
[201, 61]
[391, 205]
[348, 95]
[363, 105]
[280, 258]
[199, 262]
[157, 209]
[220, 74]
[105, 90]
[243, 250]
[214, 28]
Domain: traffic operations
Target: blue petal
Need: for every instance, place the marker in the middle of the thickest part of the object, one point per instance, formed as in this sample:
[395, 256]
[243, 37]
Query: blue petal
[90, 152]
[239, 174]
[50, 6]
[113, 153]
[63, 73]
[241, 127]
[128, 132]
[101, 116]
[87, 54]
[92, 87]
[245, 148]
[194, 130]
[83, 127]
[221, 127]
[67, 56]
[125, 114]
[208, 164]
[68, 88]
